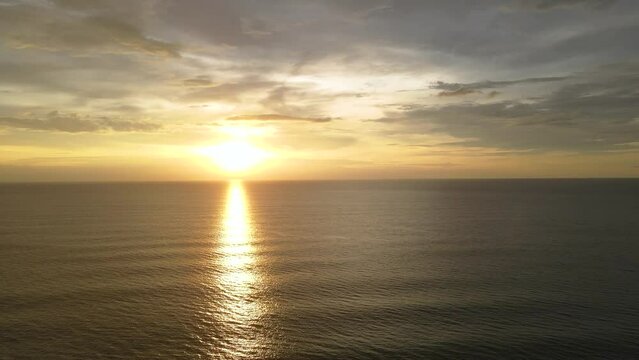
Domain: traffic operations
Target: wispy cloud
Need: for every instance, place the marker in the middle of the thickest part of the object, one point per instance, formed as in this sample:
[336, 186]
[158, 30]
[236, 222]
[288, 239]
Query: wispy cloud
[459, 89]
[73, 123]
[558, 4]
[516, 77]
[593, 111]
[21, 27]
[278, 117]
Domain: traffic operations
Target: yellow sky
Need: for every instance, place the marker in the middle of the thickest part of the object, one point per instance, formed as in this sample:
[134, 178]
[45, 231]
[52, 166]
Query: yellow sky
[155, 90]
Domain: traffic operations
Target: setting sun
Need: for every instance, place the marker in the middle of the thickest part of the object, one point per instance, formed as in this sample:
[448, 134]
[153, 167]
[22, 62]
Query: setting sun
[236, 155]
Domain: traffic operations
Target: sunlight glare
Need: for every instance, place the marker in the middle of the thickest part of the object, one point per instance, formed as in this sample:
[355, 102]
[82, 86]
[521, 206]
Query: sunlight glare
[236, 156]
[238, 278]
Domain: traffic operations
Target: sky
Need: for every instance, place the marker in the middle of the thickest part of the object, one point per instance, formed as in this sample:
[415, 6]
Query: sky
[159, 90]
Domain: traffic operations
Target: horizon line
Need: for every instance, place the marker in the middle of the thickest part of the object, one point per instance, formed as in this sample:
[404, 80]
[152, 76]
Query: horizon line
[305, 180]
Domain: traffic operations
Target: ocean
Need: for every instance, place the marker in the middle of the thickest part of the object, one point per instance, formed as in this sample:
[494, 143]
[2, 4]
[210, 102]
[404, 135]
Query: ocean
[432, 269]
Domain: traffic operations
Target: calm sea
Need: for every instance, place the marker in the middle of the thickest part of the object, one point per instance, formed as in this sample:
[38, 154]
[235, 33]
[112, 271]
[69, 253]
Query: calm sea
[530, 269]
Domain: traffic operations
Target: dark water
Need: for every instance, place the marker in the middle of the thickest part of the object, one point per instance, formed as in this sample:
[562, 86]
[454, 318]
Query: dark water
[332, 270]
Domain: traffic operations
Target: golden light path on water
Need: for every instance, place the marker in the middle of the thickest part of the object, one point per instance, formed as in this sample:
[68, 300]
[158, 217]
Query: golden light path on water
[238, 279]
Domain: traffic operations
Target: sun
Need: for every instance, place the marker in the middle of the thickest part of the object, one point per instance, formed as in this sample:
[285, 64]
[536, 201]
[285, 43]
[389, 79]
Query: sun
[236, 155]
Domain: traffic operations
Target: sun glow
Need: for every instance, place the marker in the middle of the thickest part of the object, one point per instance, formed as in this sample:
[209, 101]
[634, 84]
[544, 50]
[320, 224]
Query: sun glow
[236, 155]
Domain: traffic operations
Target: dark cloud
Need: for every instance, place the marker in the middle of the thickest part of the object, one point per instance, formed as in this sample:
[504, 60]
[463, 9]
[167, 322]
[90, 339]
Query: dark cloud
[72, 123]
[87, 4]
[124, 108]
[459, 92]
[592, 111]
[554, 4]
[481, 85]
[281, 98]
[493, 94]
[460, 89]
[202, 80]
[279, 117]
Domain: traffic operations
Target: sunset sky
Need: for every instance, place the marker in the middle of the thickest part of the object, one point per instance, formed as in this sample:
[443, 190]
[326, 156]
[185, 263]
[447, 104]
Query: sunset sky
[107, 90]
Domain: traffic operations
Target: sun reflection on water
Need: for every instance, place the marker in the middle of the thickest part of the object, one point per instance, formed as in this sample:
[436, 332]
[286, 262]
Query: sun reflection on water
[238, 278]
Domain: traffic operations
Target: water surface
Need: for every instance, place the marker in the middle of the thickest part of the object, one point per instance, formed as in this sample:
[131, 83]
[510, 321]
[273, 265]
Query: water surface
[321, 270]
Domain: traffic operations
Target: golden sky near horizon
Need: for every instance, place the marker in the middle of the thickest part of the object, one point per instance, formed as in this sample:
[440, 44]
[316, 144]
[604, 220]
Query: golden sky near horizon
[98, 90]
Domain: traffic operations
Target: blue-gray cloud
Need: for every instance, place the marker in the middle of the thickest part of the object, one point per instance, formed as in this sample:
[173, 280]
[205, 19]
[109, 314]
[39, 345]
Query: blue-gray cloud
[590, 111]
[458, 89]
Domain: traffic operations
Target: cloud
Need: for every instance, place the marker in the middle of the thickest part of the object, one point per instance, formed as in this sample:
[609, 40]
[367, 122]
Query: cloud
[22, 26]
[613, 41]
[86, 4]
[231, 91]
[591, 111]
[72, 123]
[459, 92]
[255, 28]
[296, 64]
[53, 79]
[460, 89]
[553, 4]
[202, 80]
[278, 117]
